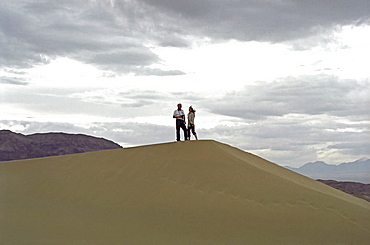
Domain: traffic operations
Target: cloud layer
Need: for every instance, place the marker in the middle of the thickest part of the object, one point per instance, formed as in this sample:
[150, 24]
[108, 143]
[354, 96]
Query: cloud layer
[133, 81]
[309, 95]
[117, 35]
[289, 121]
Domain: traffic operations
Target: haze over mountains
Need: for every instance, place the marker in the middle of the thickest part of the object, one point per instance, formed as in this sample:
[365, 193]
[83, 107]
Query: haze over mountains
[195, 192]
[357, 171]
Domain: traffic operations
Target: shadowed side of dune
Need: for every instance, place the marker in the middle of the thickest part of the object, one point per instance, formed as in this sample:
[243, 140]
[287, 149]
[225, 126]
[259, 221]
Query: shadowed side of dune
[198, 192]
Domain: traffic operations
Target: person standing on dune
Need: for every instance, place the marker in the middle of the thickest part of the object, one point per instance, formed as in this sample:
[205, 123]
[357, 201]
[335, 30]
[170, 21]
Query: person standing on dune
[180, 122]
[191, 125]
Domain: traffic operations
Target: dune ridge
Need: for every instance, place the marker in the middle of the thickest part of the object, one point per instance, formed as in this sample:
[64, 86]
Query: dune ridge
[197, 192]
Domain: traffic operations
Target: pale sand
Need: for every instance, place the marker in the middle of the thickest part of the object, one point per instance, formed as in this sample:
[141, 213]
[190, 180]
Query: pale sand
[198, 192]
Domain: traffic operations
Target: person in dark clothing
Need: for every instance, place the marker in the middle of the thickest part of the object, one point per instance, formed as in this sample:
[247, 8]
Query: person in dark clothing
[180, 122]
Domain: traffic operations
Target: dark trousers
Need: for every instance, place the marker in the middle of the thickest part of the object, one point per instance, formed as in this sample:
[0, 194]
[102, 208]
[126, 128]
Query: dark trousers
[180, 124]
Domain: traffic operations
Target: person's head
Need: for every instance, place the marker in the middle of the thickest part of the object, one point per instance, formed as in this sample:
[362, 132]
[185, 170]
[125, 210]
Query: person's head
[191, 109]
[179, 106]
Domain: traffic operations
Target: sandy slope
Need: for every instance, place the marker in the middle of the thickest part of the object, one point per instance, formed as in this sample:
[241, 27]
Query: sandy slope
[198, 192]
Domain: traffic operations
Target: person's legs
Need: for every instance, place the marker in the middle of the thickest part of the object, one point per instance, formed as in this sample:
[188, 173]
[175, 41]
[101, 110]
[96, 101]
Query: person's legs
[178, 130]
[182, 125]
[194, 133]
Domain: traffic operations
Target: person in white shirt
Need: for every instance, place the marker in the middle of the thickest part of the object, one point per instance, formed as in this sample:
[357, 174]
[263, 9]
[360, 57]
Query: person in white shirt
[180, 122]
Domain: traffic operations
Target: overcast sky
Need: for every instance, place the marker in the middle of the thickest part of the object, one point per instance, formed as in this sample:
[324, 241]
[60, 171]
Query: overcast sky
[286, 80]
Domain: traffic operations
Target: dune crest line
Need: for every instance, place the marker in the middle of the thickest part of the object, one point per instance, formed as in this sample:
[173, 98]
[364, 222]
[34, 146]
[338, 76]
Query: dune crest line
[196, 192]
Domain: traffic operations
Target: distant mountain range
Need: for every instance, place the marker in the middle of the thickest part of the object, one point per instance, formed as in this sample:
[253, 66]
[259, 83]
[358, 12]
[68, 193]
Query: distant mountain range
[357, 171]
[15, 146]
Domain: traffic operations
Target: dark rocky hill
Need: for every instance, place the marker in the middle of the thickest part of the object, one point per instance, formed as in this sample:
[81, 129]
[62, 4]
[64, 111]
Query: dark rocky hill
[356, 189]
[15, 146]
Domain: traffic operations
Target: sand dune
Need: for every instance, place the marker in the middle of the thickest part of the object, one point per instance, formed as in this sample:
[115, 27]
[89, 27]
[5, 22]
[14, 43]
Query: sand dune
[198, 192]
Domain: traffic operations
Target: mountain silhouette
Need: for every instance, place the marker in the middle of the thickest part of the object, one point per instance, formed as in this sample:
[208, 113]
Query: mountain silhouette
[357, 171]
[15, 146]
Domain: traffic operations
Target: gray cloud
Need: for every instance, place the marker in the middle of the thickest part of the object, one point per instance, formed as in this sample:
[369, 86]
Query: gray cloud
[112, 38]
[134, 60]
[310, 95]
[353, 148]
[90, 102]
[264, 20]
[38, 102]
[294, 141]
[13, 80]
[128, 58]
[117, 37]
[158, 72]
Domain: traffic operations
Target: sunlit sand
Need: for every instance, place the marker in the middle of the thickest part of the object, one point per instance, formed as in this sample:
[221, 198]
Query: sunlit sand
[195, 192]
